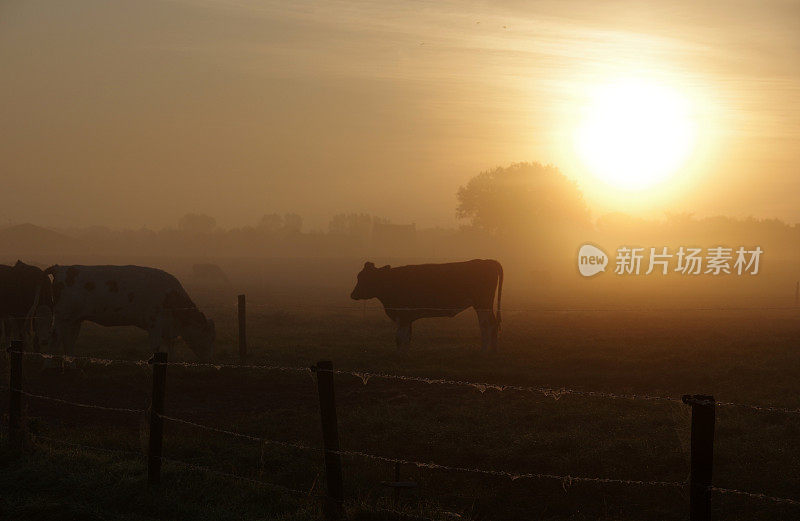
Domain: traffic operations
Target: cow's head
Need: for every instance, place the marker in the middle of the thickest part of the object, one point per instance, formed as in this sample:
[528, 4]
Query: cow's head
[199, 334]
[370, 282]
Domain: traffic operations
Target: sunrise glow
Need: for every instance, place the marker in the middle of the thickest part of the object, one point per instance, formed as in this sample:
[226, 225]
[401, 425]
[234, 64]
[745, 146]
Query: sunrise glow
[635, 134]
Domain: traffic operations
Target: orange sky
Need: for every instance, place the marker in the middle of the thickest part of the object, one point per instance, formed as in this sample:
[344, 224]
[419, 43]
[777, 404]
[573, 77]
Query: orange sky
[134, 113]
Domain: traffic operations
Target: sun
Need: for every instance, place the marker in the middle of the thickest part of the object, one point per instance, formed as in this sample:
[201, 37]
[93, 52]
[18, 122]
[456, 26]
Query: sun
[635, 134]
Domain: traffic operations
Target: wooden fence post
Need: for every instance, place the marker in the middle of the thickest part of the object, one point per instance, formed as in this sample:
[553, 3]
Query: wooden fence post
[158, 361]
[702, 458]
[15, 394]
[330, 438]
[242, 327]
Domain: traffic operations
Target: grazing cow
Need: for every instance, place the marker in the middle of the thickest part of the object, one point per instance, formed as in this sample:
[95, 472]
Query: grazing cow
[147, 298]
[435, 290]
[26, 305]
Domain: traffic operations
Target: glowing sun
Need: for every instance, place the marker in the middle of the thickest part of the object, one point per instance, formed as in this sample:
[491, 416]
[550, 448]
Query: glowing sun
[635, 134]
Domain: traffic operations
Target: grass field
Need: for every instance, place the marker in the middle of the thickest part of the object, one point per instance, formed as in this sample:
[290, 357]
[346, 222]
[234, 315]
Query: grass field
[749, 357]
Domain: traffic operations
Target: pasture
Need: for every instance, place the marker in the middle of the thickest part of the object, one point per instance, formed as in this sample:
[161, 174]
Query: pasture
[743, 356]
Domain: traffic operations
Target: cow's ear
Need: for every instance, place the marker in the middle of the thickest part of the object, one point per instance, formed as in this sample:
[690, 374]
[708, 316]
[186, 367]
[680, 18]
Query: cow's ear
[369, 266]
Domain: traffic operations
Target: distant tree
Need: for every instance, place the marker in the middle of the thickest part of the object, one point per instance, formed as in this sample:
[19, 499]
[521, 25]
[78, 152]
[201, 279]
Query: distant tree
[197, 223]
[271, 223]
[622, 222]
[354, 224]
[292, 223]
[520, 197]
[679, 218]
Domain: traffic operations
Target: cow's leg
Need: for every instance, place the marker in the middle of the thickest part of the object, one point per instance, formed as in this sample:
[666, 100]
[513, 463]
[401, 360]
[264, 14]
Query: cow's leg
[12, 330]
[488, 328]
[403, 336]
[168, 337]
[161, 336]
[160, 339]
[29, 337]
[65, 334]
[170, 347]
[5, 334]
[68, 336]
[22, 331]
[154, 336]
[495, 334]
[15, 330]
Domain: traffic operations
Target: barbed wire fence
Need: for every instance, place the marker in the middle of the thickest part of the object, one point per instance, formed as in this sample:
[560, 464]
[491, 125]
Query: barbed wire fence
[364, 376]
[700, 491]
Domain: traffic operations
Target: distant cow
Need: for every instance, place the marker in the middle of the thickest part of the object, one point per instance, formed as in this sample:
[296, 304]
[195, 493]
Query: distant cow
[210, 275]
[435, 290]
[147, 298]
[26, 304]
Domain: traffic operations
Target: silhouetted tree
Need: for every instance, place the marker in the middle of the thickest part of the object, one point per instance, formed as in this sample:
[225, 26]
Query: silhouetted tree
[197, 223]
[520, 197]
[622, 222]
[354, 224]
[292, 223]
[271, 223]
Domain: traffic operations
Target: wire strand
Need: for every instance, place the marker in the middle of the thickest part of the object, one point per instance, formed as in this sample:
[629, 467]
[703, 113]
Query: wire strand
[78, 404]
[550, 392]
[88, 447]
[89, 359]
[240, 435]
[756, 495]
[565, 479]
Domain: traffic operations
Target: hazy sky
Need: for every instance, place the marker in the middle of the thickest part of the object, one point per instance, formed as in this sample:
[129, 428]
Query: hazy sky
[133, 113]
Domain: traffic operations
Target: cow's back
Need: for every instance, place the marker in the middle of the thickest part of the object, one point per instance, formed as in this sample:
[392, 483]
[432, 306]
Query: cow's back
[115, 294]
[442, 284]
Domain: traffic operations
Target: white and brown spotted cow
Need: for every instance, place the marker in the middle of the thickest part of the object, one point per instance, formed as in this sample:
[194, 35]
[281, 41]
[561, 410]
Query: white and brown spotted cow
[147, 298]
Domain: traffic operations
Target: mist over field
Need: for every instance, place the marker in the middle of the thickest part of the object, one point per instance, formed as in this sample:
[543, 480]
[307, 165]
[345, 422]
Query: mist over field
[527, 215]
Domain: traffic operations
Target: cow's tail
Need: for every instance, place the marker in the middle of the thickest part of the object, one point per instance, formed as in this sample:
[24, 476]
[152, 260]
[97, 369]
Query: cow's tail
[499, 291]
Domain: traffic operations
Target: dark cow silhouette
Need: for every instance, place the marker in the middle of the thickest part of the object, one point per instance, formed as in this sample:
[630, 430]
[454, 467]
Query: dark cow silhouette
[148, 298]
[435, 290]
[26, 304]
